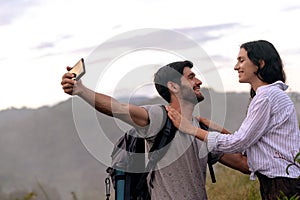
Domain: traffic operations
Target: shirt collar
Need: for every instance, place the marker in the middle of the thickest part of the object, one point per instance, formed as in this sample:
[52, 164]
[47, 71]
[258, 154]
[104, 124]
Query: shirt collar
[278, 84]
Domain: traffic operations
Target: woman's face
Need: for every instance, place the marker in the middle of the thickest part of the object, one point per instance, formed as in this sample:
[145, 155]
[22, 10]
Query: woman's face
[245, 68]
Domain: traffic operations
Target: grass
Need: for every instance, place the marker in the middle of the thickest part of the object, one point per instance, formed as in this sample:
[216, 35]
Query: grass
[232, 185]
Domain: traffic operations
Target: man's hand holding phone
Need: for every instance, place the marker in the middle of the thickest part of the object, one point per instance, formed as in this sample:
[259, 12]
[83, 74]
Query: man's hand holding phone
[71, 83]
[78, 69]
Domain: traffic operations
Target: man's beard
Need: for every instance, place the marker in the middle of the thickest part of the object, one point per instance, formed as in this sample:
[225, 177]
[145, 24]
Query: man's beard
[189, 94]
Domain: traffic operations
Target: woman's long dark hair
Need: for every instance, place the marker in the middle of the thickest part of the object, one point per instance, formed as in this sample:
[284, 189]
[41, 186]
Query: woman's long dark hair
[262, 50]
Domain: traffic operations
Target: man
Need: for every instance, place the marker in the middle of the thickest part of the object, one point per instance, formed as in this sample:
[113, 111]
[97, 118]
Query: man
[181, 173]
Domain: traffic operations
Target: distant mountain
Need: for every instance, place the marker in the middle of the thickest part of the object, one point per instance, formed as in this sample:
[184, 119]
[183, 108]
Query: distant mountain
[41, 146]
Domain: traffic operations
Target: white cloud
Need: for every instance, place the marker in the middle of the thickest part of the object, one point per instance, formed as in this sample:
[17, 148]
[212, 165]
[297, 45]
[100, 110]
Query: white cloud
[39, 38]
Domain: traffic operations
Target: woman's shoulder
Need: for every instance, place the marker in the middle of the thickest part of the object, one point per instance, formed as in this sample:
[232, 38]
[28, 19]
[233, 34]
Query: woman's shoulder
[275, 93]
[271, 89]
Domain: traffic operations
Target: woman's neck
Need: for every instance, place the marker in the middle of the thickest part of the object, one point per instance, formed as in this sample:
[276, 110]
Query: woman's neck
[257, 84]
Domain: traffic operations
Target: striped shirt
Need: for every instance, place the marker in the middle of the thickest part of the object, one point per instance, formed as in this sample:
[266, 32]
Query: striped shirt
[269, 134]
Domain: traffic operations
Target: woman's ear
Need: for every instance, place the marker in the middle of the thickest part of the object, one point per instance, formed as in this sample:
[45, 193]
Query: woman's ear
[261, 63]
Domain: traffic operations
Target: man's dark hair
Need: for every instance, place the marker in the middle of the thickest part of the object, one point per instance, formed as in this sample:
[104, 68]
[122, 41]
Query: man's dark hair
[170, 72]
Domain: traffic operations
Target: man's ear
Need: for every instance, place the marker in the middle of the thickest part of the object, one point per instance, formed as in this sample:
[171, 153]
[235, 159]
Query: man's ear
[172, 86]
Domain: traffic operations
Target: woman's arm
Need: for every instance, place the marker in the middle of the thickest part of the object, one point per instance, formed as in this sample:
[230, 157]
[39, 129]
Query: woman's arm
[184, 125]
[254, 126]
[235, 161]
[212, 125]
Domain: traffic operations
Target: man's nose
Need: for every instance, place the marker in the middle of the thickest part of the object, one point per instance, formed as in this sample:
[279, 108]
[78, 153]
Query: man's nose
[198, 81]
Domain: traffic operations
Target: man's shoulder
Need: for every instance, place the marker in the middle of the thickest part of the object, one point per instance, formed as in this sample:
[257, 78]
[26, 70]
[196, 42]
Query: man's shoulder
[157, 119]
[148, 106]
[157, 109]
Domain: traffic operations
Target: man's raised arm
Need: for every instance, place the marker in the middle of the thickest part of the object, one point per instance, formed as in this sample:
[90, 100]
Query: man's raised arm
[131, 114]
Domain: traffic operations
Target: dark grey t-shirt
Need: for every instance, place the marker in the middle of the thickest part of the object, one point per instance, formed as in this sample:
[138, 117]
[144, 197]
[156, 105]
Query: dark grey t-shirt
[181, 173]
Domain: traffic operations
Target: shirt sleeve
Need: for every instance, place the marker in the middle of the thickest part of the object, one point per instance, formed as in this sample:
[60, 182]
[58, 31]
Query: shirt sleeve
[252, 129]
[157, 118]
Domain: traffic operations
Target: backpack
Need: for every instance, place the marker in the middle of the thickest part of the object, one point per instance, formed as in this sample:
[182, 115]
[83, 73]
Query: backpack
[129, 172]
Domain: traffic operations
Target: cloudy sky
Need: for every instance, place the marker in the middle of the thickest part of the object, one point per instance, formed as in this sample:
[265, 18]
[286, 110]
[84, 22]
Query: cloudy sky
[39, 38]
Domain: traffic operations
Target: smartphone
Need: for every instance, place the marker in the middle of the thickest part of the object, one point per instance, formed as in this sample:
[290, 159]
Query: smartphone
[78, 69]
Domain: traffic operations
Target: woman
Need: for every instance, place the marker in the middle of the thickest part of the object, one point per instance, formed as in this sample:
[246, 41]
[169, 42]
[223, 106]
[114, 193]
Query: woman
[270, 132]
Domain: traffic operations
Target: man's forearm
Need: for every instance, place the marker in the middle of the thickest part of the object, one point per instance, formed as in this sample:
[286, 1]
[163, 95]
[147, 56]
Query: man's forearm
[100, 102]
[235, 161]
[131, 114]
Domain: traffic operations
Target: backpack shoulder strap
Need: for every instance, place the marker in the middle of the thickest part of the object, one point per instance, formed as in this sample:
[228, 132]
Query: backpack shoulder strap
[209, 158]
[163, 138]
